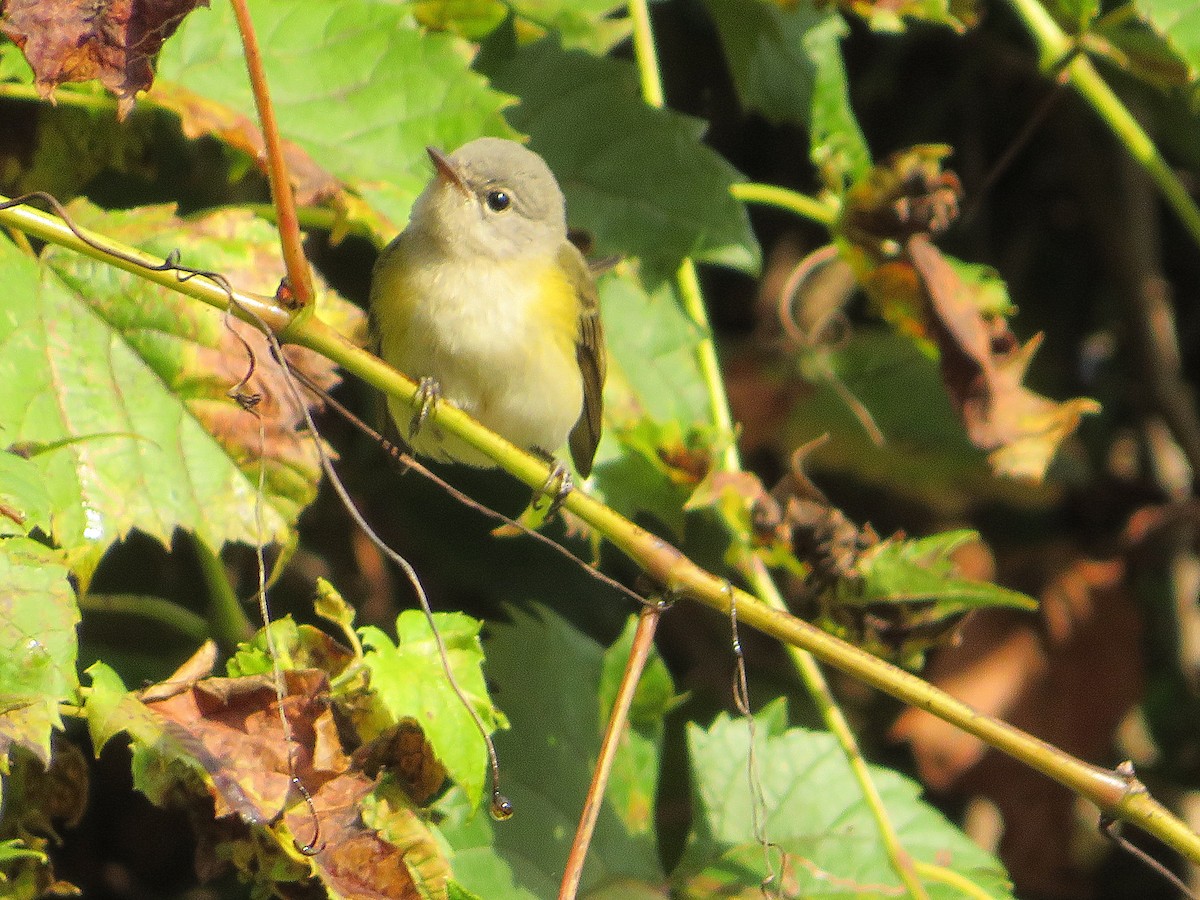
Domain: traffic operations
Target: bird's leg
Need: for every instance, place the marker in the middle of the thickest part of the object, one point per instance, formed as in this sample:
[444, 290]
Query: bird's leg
[558, 487]
[429, 392]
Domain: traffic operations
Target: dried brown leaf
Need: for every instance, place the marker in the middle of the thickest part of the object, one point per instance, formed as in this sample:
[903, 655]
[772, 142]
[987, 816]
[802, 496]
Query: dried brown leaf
[404, 750]
[1070, 680]
[231, 727]
[114, 42]
[355, 860]
[983, 369]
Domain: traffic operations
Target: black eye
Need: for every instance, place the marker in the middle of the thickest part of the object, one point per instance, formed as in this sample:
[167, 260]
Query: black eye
[498, 201]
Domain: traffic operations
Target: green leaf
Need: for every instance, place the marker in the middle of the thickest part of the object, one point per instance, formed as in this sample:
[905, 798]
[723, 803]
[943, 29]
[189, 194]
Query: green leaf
[38, 615]
[654, 368]
[550, 675]
[1178, 23]
[637, 178]
[764, 46]
[110, 710]
[357, 84]
[586, 24]
[14, 850]
[656, 404]
[479, 867]
[787, 65]
[24, 501]
[13, 65]
[408, 681]
[922, 571]
[118, 389]
[836, 143]
[633, 784]
[296, 647]
[814, 812]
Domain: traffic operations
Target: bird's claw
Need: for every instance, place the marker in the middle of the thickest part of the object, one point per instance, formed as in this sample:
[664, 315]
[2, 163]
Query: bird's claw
[558, 487]
[429, 392]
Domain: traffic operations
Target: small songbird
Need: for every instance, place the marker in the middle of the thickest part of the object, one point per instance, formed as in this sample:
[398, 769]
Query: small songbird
[483, 298]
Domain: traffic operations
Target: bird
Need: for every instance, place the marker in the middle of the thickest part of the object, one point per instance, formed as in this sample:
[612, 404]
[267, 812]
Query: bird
[483, 298]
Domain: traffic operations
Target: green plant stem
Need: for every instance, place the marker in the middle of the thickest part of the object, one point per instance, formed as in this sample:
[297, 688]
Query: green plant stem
[645, 54]
[1054, 46]
[229, 622]
[710, 364]
[1117, 796]
[155, 609]
[820, 211]
[722, 418]
[764, 587]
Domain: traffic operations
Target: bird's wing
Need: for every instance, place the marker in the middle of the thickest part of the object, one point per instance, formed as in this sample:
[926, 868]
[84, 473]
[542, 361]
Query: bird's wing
[589, 351]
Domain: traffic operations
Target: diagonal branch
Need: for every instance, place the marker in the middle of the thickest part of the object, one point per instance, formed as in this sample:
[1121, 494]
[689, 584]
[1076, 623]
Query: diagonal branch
[1119, 796]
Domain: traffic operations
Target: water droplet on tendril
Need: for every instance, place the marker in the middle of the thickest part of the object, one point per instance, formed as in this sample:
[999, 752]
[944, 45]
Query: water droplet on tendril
[501, 807]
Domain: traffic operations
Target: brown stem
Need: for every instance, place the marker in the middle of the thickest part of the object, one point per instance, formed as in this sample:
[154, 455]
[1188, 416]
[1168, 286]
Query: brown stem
[643, 641]
[299, 276]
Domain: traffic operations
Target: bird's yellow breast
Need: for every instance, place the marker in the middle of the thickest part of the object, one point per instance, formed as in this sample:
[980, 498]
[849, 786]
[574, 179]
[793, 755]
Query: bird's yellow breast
[497, 335]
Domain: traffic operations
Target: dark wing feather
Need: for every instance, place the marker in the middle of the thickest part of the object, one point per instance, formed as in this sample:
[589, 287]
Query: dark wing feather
[589, 351]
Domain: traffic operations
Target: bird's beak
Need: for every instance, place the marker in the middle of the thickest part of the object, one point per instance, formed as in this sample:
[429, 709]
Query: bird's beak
[446, 172]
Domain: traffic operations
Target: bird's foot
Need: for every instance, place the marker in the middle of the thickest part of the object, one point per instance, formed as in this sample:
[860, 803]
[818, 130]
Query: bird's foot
[558, 487]
[429, 392]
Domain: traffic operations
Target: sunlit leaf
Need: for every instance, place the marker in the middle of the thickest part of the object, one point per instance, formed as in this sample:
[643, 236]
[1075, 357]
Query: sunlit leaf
[587, 24]
[118, 390]
[358, 85]
[24, 501]
[408, 681]
[815, 818]
[38, 615]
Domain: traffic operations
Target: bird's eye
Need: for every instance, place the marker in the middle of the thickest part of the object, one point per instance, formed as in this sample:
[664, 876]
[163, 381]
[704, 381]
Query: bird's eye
[498, 201]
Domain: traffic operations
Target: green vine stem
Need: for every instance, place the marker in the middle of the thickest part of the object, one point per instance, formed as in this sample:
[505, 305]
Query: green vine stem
[153, 609]
[1055, 46]
[722, 418]
[1118, 796]
[823, 212]
[226, 616]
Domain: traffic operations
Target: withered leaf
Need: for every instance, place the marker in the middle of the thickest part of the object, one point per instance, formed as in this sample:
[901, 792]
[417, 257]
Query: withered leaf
[404, 750]
[907, 194]
[114, 42]
[382, 860]
[199, 665]
[885, 230]
[983, 368]
[231, 727]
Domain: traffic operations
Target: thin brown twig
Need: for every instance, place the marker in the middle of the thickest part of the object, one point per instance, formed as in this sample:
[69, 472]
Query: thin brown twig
[1110, 828]
[741, 702]
[299, 276]
[639, 654]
